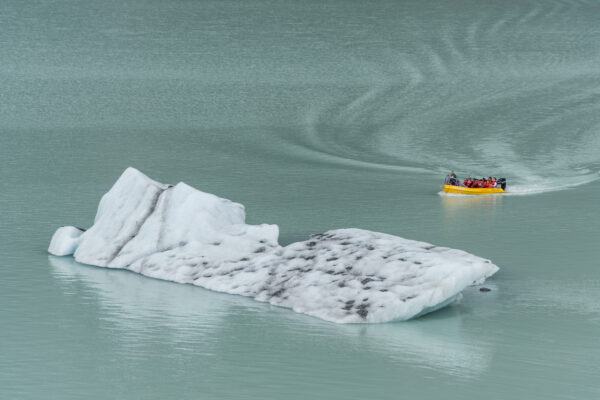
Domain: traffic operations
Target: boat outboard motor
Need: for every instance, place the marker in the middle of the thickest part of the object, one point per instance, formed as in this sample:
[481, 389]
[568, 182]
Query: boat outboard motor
[502, 183]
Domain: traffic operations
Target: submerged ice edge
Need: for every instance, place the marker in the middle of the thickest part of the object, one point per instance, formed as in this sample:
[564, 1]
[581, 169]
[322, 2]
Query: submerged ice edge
[180, 234]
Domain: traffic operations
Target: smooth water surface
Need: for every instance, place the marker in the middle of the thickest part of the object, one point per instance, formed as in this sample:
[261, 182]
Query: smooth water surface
[315, 115]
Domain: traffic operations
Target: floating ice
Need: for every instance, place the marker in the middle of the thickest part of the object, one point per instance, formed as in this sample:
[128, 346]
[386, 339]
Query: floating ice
[65, 241]
[180, 234]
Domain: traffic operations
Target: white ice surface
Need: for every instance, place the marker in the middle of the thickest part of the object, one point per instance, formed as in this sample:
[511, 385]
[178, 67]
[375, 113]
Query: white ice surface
[65, 241]
[180, 234]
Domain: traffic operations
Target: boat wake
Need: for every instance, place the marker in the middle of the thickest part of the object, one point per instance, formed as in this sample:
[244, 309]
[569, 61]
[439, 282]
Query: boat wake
[537, 186]
[452, 105]
[545, 185]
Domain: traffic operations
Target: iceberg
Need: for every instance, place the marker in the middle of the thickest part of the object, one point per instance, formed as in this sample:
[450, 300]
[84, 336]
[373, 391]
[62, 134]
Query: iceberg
[180, 234]
[65, 241]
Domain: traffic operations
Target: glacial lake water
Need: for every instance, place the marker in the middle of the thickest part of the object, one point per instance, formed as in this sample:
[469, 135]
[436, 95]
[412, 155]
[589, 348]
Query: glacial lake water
[315, 115]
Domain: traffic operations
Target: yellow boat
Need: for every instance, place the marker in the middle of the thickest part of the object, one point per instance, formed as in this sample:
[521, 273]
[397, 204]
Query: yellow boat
[467, 190]
[450, 186]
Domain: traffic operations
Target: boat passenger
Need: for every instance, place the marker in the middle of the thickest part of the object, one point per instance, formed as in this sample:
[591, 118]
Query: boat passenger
[453, 179]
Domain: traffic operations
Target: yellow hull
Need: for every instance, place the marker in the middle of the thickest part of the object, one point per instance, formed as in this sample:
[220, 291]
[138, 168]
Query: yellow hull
[466, 190]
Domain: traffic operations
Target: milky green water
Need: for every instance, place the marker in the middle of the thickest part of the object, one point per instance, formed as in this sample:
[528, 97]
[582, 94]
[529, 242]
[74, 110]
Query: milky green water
[315, 115]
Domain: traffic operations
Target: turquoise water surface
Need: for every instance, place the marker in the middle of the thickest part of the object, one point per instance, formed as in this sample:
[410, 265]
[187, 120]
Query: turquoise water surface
[315, 116]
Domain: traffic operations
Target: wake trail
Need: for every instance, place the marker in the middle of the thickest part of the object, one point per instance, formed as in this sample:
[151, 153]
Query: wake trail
[551, 185]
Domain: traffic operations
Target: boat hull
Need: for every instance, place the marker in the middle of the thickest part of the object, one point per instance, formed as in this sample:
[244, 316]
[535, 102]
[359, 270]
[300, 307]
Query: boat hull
[471, 191]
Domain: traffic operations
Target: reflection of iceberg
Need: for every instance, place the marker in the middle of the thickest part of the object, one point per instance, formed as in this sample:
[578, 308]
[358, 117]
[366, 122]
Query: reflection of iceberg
[196, 319]
[180, 234]
[438, 343]
[139, 303]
